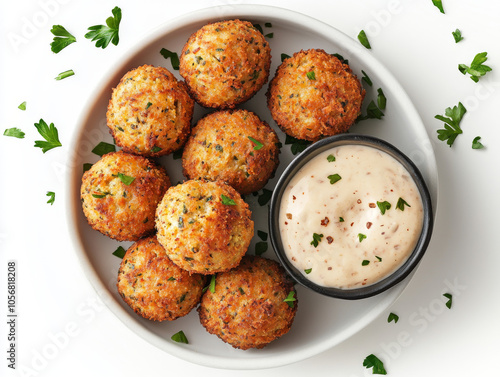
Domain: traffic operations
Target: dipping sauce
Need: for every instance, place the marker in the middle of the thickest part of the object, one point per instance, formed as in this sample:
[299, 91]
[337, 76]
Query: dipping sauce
[350, 217]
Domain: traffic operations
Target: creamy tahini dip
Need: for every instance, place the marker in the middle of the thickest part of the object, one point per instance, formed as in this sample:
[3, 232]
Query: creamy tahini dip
[331, 220]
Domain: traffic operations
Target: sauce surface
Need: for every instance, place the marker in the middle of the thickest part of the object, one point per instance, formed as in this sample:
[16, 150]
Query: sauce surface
[331, 220]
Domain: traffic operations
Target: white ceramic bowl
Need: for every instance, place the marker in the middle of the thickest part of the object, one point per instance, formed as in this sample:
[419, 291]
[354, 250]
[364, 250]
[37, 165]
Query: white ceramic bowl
[321, 322]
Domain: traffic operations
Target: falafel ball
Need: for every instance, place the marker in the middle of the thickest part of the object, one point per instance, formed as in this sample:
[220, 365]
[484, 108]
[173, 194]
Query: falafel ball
[247, 309]
[225, 63]
[120, 194]
[205, 227]
[150, 112]
[153, 286]
[234, 146]
[313, 95]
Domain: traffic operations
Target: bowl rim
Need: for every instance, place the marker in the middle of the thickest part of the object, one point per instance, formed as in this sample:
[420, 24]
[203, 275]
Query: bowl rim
[303, 158]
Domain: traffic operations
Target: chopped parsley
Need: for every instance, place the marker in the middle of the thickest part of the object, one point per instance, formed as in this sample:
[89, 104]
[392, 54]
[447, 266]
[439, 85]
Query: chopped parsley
[401, 204]
[311, 75]
[180, 337]
[366, 79]
[241, 290]
[174, 58]
[156, 149]
[126, 179]
[297, 144]
[171, 278]
[227, 200]
[379, 259]
[269, 35]
[211, 286]
[383, 206]
[262, 235]
[103, 34]
[381, 100]
[365, 262]
[452, 123]
[14, 132]
[341, 219]
[65, 74]
[450, 300]
[316, 239]
[476, 144]
[50, 134]
[22, 106]
[62, 38]
[477, 69]
[372, 361]
[334, 178]
[148, 105]
[52, 197]
[177, 155]
[363, 39]
[439, 5]
[284, 56]
[393, 317]
[457, 35]
[290, 299]
[361, 237]
[372, 110]
[308, 271]
[101, 195]
[260, 247]
[265, 197]
[258, 144]
[119, 252]
[102, 148]
[330, 158]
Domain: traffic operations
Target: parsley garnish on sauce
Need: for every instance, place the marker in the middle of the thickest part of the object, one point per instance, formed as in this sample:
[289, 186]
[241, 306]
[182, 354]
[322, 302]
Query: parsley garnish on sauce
[372, 361]
[258, 144]
[65, 74]
[52, 197]
[316, 239]
[119, 252]
[102, 148]
[62, 39]
[477, 68]
[334, 178]
[103, 34]
[476, 144]
[227, 200]
[365, 262]
[384, 206]
[180, 337]
[363, 39]
[14, 132]
[438, 4]
[401, 204]
[457, 35]
[308, 271]
[50, 134]
[361, 237]
[452, 123]
[393, 317]
[290, 299]
[330, 158]
[174, 58]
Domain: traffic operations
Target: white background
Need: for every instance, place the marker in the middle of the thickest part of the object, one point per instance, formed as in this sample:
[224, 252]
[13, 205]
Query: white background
[411, 38]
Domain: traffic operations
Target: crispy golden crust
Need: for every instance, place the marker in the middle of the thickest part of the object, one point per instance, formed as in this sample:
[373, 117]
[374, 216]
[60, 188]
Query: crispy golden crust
[225, 63]
[199, 233]
[150, 112]
[153, 286]
[247, 309]
[325, 103]
[120, 211]
[220, 148]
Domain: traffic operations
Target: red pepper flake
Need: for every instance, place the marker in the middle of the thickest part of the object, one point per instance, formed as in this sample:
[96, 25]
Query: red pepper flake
[358, 201]
[372, 205]
[293, 197]
[325, 221]
[289, 216]
[352, 224]
[329, 268]
[329, 239]
[368, 225]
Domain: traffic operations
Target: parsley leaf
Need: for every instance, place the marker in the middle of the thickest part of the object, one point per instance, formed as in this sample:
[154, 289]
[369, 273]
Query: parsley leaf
[450, 300]
[65, 74]
[262, 235]
[103, 34]
[290, 299]
[227, 200]
[477, 68]
[457, 35]
[366, 79]
[174, 58]
[401, 204]
[311, 75]
[180, 337]
[372, 361]
[211, 286]
[361, 237]
[127, 180]
[14, 132]
[260, 247]
[62, 39]
[438, 4]
[22, 106]
[52, 197]
[364, 39]
[297, 144]
[119, 252]
[476, 144]
[265, 197]
[330, 158]
[372, 112]
[258, 144]
[316, 239]
[381, 100]
[308, 271]
[102, 148]
[383, 206]
[269, 35]
[50, 135]
[86, 166]
[452, 123]
[284, 56]
[334, 178]
[393, 317]
[365, 262]
[341, 219]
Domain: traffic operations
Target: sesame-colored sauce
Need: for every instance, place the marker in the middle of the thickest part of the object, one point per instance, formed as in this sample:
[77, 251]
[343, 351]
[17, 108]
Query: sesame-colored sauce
[335, 233]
